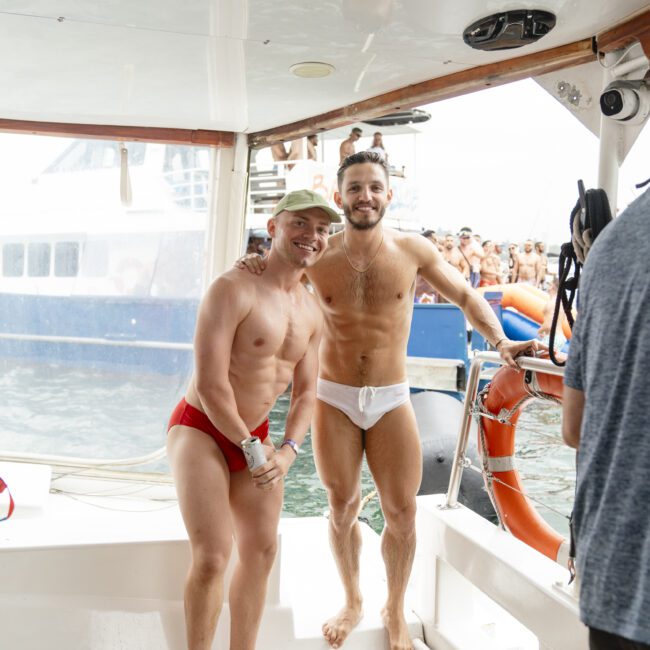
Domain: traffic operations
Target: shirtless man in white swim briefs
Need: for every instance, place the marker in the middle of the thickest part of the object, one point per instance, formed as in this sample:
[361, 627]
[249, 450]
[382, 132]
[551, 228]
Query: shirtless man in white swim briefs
[365, 283]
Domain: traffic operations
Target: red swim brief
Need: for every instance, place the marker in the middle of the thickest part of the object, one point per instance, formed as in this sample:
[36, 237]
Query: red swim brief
[189, 416]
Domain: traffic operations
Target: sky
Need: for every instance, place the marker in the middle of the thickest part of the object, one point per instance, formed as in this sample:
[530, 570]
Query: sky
[504, 161]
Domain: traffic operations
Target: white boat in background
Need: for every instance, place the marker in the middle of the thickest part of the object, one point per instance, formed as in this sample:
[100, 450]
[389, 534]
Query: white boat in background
[94, 556]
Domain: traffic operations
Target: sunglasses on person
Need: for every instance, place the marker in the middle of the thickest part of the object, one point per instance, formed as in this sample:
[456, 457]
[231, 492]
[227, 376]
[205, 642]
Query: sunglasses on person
[5, 511]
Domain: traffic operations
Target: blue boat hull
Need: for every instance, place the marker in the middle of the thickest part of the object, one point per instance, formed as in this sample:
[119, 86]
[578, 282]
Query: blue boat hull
[138, 333]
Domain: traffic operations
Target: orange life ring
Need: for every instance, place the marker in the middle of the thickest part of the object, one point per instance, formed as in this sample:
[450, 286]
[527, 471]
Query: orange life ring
[502, 402]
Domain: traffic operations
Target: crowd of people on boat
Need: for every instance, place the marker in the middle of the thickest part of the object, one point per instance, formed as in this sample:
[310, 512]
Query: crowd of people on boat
[305, 148]
[485, 262]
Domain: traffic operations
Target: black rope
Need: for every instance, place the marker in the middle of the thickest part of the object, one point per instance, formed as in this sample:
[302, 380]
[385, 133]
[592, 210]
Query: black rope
[592, 208]
[567, 288]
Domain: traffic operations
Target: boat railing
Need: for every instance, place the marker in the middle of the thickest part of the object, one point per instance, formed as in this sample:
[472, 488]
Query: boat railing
[115, 342]
[460, 459]
[267, 185]
[80, 462]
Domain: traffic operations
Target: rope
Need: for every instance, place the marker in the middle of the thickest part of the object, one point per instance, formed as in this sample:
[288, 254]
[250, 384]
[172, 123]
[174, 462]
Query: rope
[567, 285]
[365, 501]
[593, 213]
[495, 479]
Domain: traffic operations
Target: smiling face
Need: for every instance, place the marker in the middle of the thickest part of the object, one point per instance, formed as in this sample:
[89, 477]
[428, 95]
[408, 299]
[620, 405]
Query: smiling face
[364, 195]
[300, 237]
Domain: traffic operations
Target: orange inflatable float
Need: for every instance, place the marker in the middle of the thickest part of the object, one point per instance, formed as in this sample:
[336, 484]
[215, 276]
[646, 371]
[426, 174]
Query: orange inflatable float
[501, 403]
[526, 299]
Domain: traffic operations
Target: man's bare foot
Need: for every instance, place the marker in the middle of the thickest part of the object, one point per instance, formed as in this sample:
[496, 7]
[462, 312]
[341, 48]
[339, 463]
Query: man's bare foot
[337, 628]
[398, 634]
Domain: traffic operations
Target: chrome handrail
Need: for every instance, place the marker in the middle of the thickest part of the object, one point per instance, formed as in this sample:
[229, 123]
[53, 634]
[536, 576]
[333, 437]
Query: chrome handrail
[525, 363]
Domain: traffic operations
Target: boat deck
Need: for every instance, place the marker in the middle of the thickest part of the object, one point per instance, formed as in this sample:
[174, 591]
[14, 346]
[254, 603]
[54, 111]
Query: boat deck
[101, 565]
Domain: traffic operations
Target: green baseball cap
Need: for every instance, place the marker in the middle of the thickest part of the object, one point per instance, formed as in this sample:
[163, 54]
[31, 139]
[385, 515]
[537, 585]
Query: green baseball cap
[303, 200]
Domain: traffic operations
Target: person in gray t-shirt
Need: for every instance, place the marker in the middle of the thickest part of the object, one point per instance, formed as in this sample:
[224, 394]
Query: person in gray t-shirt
[605, 416]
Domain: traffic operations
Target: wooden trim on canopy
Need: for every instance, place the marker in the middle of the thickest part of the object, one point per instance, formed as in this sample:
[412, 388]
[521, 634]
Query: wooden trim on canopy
[199, 137]
[634, 29]
[427, 92]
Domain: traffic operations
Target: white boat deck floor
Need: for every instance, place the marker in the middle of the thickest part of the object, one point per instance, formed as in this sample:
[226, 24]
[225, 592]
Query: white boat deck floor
[90, 544]
[315, 589]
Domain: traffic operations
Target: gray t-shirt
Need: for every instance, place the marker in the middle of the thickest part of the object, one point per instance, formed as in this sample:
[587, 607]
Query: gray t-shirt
[609, 359]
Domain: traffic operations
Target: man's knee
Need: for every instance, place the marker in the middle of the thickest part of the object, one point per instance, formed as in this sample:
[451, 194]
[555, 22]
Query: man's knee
[400, 517]
[343, 509]
[210, 565]
[259, 553]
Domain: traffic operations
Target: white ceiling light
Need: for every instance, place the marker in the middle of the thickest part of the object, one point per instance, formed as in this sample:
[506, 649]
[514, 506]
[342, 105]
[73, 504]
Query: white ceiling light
[311, 69]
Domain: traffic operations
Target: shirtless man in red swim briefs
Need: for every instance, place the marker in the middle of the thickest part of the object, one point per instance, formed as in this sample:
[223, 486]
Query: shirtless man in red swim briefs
[254, 335]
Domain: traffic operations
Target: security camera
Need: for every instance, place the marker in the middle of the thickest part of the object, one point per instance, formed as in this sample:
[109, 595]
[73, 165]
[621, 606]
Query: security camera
[626, 101]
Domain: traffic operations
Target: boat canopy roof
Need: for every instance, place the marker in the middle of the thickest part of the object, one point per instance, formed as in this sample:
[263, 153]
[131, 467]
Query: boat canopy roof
[199, 71]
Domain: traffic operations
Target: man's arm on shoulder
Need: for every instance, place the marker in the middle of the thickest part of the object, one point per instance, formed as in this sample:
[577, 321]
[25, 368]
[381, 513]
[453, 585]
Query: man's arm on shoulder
[223, 308]
[451, 284]
[251, 262]
[573, 405]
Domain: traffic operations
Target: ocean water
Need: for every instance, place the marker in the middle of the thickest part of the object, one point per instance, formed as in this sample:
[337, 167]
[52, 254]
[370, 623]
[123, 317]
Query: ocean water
[54, 409]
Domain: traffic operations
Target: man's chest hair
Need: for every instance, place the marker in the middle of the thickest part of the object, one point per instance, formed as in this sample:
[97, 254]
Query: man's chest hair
[385, 280]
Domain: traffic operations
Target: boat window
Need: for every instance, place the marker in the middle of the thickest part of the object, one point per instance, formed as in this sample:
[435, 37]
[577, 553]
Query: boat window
[99, 299]
[38, 260]
[66, 259]
[94, 259]
[13, 260]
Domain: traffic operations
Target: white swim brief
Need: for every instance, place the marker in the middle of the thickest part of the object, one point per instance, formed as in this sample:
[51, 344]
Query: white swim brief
[365, 406]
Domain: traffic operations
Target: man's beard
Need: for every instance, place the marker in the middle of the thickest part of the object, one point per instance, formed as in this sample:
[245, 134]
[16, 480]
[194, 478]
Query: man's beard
[363, 225]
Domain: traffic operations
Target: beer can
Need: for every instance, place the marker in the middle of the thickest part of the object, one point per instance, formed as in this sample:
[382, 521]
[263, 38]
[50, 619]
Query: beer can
[254, 452]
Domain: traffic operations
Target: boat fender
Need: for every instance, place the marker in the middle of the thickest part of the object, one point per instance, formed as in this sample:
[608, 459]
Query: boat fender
[438, 416]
